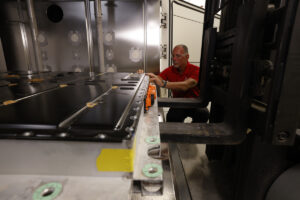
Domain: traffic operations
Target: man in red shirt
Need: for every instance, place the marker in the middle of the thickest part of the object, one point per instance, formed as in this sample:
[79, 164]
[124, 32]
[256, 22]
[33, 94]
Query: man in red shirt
[182, 78]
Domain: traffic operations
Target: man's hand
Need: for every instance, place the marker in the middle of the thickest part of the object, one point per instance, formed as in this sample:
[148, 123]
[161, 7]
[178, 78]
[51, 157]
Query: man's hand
[140, 71]
[180, 85]
[156, 79]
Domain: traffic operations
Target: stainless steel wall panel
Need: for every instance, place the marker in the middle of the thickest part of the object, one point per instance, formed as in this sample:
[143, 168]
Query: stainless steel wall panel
[125, 19]
[34, 35]
[59, 53]
[152, 15]
[13, 48]
[125, 45]
[10, 31]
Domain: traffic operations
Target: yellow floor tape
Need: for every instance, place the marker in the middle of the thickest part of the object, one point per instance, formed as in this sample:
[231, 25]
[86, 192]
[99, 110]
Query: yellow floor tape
[116, 160]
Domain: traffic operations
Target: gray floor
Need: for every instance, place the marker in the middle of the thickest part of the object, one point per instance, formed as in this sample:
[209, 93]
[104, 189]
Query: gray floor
[206, 180]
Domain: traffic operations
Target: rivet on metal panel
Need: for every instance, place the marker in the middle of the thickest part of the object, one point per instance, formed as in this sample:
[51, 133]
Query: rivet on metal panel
[48, 191]
[101, 136]
[152, 170]
[153, 140]
[129, 129]
[135, 54]
[28, 134]
[136, 109]
[74, 37]
[63, 135]
[134, 117]
[109, 54]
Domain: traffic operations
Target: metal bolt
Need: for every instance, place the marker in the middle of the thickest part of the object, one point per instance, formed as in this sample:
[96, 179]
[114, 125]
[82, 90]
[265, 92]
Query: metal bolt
[47, 191]
[28, 133]
[136, 109]
[63, 135]
[101, 136]
[129, 129]
[152, 170]
[134, 117]
[283, 136]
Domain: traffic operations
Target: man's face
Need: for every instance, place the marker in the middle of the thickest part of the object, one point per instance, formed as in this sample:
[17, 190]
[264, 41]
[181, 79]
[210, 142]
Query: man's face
[179, 57]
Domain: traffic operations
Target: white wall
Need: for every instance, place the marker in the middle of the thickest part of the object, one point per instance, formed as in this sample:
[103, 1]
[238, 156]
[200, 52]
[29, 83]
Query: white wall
[187, 29]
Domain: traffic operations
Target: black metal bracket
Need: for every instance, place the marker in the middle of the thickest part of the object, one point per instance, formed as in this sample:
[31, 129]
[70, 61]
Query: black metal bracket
[200, 133]
[180, 102]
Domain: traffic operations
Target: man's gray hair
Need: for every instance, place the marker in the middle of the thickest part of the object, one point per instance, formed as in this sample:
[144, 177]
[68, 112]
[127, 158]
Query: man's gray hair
[185, 48]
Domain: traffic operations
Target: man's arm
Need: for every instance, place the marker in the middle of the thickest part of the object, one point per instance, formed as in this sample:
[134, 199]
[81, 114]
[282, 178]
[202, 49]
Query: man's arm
[182, 85]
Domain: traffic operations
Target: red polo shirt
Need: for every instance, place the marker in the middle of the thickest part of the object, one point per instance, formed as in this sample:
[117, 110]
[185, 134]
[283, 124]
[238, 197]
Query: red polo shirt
[172, 74]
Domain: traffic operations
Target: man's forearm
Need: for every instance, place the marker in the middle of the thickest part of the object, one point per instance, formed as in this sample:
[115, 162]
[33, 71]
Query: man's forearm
[182, 85]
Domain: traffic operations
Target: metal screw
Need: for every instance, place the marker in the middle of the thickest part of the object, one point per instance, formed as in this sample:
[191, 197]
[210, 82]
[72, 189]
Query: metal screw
[101, 136]
[134, 117]
[152, 170]
[63, 135]
[47, 192]
[28, 133]
[136, 109]
[129, 129]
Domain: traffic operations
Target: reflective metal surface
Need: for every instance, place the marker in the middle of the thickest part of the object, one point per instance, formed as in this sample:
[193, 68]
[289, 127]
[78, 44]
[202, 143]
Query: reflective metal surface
[24, 36]
[63, 45]
[148, 128]
[152, 15]
[89, 36]
[100, 39]
[34, 34]
[72, 164]
[83, 108]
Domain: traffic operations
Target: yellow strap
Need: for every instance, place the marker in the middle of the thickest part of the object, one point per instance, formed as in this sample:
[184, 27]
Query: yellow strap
[91, 104]
[116, 160]
[63, 85]
[114, 87]
[35, 80]
[8, 102]
[12, 76]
